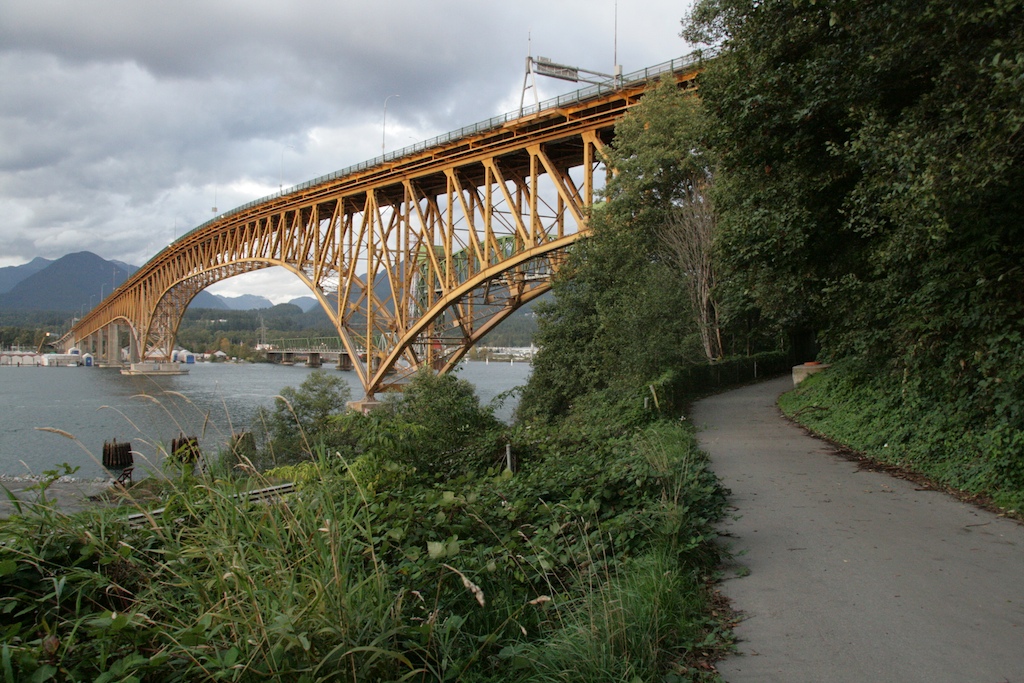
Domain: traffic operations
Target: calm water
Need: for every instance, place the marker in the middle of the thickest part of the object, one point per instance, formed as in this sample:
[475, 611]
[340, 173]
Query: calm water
[99, 404]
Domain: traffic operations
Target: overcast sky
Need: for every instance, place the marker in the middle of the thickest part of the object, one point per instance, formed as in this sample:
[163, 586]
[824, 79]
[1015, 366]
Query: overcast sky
[123, 122]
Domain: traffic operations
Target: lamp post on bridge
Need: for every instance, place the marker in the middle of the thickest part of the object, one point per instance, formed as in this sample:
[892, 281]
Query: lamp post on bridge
[384, 124]
[280, 186]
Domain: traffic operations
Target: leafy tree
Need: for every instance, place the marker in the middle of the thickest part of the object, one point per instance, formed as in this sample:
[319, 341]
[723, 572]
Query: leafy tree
[870, 187]
[862, 141]
[620, 316]
[453, 433]
[304, 417]
[18, 336]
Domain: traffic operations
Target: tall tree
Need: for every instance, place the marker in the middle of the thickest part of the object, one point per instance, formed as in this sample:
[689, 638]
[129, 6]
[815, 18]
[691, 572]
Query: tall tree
[618, 319]
[871, 177]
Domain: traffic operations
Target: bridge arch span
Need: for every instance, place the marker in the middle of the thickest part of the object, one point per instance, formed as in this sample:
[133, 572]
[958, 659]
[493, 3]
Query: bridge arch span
[414, 255]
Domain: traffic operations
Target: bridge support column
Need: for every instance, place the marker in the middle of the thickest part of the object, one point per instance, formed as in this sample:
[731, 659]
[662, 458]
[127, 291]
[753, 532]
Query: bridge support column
[133, 348]
[114, 345]
[344, 362]
[313, 360]
[110, 352]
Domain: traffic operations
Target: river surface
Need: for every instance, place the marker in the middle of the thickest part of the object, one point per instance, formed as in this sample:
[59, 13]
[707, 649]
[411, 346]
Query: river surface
[92, 405]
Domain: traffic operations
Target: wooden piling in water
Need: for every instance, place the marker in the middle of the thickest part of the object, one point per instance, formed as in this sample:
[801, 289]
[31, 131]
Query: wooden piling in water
[117, 455]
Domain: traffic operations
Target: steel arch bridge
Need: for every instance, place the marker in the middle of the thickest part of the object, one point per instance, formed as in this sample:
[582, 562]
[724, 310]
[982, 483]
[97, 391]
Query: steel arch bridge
[414, 255]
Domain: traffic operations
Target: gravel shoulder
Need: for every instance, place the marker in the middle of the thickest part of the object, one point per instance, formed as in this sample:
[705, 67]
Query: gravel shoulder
[851, 574]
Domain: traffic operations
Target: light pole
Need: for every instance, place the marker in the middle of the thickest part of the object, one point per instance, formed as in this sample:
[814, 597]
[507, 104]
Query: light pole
[280, 187]
[384, 124]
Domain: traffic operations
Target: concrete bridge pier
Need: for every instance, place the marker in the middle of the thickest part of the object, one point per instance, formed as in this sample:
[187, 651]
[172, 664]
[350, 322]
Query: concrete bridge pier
[313, 360]
[110, 352]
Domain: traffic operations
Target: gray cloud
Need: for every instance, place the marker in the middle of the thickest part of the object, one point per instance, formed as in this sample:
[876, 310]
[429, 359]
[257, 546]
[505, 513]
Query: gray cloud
[122, 122]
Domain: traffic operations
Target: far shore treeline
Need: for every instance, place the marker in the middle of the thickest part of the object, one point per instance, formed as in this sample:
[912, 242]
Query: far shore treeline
[845, 187]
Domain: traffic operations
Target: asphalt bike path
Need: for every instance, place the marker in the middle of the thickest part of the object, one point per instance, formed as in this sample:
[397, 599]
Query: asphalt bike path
[852, 575]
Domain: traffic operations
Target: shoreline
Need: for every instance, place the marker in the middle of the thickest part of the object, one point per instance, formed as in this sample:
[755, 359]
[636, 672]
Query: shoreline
[68, 495]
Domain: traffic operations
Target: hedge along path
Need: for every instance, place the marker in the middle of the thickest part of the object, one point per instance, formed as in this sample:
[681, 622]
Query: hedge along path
[855, 575]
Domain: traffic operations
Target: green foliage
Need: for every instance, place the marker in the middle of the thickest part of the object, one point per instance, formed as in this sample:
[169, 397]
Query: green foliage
[658, 154]
[619, 631]
[436, 429]
[872, 166]
[304, 417]
[619, 316]
[895, 423]
[873, 161]
[425, 579]
[458, 434]
[11, 336]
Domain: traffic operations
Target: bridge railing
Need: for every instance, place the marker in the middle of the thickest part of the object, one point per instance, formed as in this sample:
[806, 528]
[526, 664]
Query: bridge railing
[324, 343]
[647, 74]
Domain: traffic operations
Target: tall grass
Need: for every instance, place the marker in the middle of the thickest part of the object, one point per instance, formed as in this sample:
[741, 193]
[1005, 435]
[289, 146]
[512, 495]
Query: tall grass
[210, 589]
[586, 565]
[635, 626]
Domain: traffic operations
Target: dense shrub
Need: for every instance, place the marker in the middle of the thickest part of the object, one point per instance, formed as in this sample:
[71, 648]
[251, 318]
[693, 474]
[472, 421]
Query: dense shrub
[302, 419]
[436, 580]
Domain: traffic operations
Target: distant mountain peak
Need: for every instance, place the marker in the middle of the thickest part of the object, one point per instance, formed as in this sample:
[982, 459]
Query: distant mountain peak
[306, 303]
[67, 284]
[10, 276]
[81, 279]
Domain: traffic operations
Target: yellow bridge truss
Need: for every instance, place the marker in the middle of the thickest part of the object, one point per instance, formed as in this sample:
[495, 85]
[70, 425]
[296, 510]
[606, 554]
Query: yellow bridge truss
[415, 255]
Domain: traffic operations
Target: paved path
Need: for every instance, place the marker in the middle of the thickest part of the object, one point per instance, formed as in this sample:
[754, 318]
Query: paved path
[853, 575]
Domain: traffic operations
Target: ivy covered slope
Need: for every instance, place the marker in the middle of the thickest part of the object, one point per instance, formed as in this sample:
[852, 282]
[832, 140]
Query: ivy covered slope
[872, 188]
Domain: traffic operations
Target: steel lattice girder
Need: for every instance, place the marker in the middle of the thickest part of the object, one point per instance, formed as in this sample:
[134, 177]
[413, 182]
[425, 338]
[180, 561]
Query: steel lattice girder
[414, 259]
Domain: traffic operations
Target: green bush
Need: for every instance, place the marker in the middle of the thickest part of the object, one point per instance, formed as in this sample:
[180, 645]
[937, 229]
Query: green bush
[303, 418]
[412, 576]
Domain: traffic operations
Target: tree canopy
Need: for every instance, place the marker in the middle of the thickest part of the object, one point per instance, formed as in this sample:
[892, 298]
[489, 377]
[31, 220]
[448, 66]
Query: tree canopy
[870, 187]
[621, 315]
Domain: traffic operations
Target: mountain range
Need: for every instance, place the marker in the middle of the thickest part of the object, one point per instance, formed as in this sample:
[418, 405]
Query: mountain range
[79, 281]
